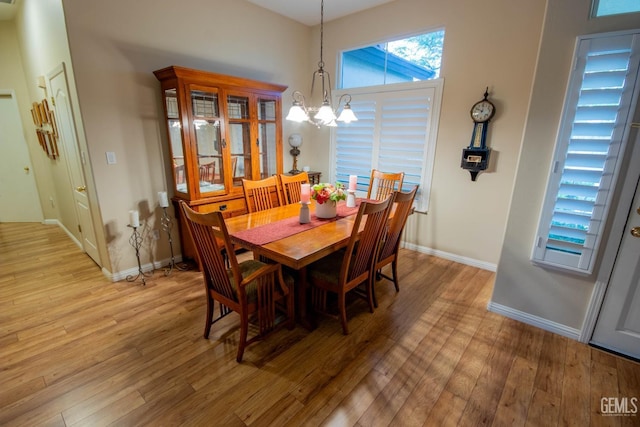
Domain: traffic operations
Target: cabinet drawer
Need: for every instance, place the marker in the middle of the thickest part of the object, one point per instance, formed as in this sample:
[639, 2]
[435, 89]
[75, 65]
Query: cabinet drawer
[231, 207]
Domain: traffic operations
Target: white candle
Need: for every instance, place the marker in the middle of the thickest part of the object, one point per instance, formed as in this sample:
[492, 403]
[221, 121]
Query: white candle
[134, 219]
[353, 181]
[163, 200]
[305, 193]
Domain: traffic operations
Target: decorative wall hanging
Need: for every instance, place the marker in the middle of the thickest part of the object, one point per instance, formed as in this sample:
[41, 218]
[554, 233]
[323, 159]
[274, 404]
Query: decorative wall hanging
[46, 128]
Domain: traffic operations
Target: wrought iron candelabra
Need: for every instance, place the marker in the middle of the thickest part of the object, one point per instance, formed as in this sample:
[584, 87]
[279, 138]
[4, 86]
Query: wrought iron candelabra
[136, 241]
[167, 225]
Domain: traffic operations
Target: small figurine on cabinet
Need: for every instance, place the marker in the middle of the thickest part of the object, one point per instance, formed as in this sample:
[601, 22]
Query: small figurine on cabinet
[475, 158]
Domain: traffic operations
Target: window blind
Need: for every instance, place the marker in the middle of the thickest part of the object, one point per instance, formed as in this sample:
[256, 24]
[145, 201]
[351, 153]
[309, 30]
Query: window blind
[395, 132]
[588, 151]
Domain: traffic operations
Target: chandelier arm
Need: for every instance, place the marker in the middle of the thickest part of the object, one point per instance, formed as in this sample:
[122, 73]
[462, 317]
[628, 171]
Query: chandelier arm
[346, 95]
[323, 115]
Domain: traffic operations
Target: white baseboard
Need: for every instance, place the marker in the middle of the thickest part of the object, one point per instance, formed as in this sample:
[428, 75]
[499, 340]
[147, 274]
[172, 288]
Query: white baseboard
[146, 268]
[452, 257]
[536, 321]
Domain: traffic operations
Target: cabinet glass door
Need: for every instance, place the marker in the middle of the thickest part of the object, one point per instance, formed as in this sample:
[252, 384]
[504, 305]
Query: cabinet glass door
[239, 135]
[175, 140]
[206, 128]
[267, 137]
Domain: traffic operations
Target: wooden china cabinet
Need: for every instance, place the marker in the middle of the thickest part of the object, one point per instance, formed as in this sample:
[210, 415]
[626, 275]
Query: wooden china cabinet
[220, 130]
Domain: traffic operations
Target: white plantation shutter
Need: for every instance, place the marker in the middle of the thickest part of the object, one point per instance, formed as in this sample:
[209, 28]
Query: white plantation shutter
[589, 151]
[395, 132]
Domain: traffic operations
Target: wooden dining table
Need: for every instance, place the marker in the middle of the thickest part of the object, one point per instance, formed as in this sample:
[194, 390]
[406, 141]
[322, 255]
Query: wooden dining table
[277, 234]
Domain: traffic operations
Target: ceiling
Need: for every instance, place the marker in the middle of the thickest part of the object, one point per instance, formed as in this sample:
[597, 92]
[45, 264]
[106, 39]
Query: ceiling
[308, 11]
[304, 11]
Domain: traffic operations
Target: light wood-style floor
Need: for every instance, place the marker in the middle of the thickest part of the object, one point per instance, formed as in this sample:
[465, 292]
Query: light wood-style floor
[76, 349]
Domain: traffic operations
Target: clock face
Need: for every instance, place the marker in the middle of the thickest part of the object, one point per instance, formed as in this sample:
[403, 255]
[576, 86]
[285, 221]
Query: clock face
[482, 111]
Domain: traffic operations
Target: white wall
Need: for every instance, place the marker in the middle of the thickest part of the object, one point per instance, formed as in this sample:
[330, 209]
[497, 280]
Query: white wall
[520, 286]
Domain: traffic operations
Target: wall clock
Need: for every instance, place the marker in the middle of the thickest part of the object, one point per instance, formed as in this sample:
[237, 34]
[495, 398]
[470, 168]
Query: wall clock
[475, 158]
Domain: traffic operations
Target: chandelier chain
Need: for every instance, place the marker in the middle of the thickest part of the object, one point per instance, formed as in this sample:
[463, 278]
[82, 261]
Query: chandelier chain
[321, 63]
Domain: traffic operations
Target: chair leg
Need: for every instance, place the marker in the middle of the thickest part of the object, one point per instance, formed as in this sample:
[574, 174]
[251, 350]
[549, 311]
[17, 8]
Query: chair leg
[244, 329]
[394, 269]
[343, 312]
[370, 295]
[373, 291]
[209, 319]
[291, 323]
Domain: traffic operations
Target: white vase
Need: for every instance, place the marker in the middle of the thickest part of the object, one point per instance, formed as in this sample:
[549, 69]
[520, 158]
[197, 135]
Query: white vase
[326, 210]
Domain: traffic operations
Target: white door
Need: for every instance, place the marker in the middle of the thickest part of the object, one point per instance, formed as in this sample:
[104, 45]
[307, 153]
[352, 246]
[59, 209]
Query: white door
[69, 141]
[618, 325]
[19, 200]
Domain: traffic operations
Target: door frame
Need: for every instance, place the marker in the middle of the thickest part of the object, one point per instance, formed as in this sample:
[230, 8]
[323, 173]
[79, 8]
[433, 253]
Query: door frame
[81, 163]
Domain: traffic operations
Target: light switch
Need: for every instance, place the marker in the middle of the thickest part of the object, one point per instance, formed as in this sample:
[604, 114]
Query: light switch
[111, 158]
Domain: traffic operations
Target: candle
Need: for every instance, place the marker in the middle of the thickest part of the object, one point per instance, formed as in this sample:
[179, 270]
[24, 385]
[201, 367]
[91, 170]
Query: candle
[134, 219]
[305, 193]
[353, 181]
[163, 200]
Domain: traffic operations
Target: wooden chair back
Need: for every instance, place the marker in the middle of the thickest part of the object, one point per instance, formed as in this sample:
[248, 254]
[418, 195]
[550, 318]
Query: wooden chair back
[251, 287]
[291, 186]
[390, 242]
[360, 256]
[357, 261]
[179, 174]
[211, 239]
[382, 184]
[262, 194]
[391, 239]
[208, 172]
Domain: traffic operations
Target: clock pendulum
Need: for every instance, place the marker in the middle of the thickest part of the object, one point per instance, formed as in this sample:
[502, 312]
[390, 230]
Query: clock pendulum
[475, 158]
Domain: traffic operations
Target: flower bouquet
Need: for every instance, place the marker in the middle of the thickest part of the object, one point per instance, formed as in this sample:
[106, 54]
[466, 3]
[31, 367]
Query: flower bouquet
[327, 197]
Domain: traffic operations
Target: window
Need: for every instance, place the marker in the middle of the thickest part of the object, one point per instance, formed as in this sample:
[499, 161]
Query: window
[591, 143]
[396, 131]
[614, 7]
[412, 59]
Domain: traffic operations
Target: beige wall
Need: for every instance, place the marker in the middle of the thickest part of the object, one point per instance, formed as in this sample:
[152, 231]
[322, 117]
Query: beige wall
[12, 77]
[491, 43]
[518, 49]
[520, 286]
[114, 53]
[116, 46]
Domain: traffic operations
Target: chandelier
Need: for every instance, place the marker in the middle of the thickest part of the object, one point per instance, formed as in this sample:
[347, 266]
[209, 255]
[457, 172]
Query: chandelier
[323, 115]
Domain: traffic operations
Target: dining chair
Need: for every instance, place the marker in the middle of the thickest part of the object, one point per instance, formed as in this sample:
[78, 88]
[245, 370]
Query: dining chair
[262, 194]
[291, 186]
[208, 172]
[253, 289]
[390, 242]
[179, 174]
[382, 184]
[348, 269]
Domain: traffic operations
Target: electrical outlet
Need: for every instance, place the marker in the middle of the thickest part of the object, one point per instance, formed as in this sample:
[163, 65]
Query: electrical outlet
[155, 234]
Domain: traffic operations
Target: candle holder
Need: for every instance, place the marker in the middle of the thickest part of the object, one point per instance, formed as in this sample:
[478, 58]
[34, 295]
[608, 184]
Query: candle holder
[351, 198]
[136, 241]
[305, 216]
[167, 225]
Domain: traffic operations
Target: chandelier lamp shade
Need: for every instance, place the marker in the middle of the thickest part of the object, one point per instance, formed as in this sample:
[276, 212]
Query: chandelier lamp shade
[324, 114]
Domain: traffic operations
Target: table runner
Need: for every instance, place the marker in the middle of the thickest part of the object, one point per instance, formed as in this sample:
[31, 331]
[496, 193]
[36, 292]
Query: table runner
[277, 230]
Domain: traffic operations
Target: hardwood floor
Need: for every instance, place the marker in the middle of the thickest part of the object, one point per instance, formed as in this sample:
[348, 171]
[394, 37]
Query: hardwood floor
[76, 349]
